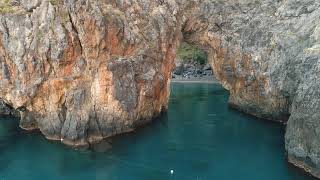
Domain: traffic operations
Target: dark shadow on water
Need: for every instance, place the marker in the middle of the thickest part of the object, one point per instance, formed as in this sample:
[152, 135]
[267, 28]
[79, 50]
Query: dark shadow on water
[159, 122]
[249, 116]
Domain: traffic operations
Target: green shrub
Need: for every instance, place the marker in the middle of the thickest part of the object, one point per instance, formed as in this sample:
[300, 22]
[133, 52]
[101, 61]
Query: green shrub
[5, 7]
[187, 52]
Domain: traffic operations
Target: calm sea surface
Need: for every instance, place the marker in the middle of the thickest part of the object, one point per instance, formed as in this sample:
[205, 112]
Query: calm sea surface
[198, 138]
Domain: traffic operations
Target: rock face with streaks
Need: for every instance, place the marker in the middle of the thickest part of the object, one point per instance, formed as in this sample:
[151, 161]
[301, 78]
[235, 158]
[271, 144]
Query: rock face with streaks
[81, 71]
[84, 70]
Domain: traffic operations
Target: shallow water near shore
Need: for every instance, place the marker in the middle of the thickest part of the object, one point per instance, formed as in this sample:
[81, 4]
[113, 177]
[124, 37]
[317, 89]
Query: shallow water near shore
[198, 138]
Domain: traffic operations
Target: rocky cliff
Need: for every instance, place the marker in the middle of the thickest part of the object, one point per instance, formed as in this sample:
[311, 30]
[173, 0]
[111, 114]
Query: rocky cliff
[84, 70]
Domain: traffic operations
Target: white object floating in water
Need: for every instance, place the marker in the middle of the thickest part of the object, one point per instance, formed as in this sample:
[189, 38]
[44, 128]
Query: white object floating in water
[171, 172]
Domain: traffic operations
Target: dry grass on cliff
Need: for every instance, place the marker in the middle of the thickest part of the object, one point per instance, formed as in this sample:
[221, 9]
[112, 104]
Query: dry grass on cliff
[56, 2]
[7, 6]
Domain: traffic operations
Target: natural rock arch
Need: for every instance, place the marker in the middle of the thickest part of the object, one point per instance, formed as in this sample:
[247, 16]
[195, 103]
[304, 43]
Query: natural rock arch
[84, 70]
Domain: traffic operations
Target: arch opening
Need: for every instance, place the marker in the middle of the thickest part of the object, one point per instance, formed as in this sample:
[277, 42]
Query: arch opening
[192, 65]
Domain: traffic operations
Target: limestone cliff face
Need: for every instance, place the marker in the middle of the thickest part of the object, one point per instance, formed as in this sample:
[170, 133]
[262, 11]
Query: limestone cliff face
[83, 70]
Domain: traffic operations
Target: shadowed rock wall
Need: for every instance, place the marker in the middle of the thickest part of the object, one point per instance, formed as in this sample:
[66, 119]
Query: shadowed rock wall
[83, 70]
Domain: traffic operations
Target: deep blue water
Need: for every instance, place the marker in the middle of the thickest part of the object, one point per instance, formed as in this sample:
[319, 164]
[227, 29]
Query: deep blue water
[198, 138]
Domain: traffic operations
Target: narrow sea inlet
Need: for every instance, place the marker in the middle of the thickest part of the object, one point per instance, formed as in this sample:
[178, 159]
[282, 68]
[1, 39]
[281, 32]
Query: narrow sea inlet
[199, 138]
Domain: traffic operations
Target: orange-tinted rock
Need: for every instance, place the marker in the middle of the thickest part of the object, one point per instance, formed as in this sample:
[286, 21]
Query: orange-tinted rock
[84, 70]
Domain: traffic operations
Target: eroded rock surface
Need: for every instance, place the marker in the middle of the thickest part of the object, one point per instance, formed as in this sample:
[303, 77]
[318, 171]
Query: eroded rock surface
[83, 70]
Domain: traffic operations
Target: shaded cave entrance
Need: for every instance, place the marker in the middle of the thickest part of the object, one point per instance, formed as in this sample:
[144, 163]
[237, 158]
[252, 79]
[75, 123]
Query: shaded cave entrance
[10, 125]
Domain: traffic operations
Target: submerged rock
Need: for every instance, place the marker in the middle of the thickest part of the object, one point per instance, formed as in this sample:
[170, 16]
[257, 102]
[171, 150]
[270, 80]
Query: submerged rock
[84, 70]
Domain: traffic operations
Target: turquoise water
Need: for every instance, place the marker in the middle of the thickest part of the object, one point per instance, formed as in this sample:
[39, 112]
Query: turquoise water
[198, 138]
